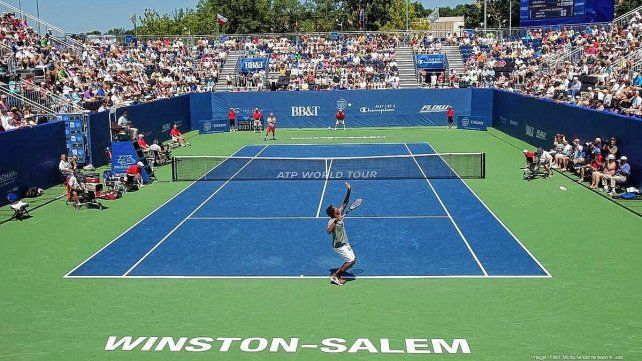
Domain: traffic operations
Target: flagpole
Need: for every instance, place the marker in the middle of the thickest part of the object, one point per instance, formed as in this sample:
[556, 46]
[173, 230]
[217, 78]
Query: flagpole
[407, 9]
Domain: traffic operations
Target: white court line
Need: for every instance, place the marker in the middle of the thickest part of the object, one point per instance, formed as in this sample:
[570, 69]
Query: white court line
[449, 216]
[498, 220]
[137, 223]
[315, 277]
[325, 185]
[294, 218]
[191, 214]
[327, 145]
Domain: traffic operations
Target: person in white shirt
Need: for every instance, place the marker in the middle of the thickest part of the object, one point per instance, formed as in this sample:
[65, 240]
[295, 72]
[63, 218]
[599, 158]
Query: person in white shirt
[64, 166]
[125, 123]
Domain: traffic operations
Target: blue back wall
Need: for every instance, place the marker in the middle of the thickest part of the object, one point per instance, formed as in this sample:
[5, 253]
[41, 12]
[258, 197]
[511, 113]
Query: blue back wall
[363, 108]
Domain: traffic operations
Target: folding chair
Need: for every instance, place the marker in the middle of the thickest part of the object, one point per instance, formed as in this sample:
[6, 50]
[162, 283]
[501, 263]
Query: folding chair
[19, 207]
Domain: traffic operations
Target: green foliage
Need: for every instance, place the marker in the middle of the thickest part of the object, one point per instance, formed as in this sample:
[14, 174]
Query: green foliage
[260, 16]
[624, 6]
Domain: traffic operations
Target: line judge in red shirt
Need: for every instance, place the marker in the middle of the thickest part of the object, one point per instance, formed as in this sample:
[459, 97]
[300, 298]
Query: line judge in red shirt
[177, 136]
[341, 118]
[142, 143]
[258, 125]
[133, 174]
[451, 117]
[231, 116]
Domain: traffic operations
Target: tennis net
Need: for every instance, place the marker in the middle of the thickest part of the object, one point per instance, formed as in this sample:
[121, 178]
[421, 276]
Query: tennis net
[418, 166]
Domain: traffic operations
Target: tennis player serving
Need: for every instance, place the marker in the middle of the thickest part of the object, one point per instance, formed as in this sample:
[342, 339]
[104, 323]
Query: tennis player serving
[340, 244]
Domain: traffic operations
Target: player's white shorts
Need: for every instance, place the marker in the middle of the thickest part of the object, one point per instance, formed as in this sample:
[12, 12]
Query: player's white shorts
[346, 253]
[342, 121]
[257, 124]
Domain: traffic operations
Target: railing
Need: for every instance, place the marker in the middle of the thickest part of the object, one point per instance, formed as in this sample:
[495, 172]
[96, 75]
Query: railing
[17, 100]
[623, 19]
[573, 56]
[57, 35]
[44, 97]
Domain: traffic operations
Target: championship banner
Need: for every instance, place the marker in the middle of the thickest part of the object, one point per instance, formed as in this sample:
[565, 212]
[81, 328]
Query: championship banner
[431, 61]
[472, 122]
[253, 64]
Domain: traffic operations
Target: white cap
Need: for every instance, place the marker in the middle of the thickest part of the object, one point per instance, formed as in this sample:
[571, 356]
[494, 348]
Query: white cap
[140, 164]
[611, 157]
[623, 158]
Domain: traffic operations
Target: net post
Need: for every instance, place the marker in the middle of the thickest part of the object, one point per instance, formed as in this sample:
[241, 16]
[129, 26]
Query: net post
[173, 169]
[483, 165]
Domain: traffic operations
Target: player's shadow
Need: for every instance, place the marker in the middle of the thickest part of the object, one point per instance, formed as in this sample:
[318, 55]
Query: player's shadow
[350, 275]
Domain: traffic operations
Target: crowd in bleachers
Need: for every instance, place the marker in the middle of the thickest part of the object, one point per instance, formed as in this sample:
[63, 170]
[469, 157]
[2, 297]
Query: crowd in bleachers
[598, 77]
[317, 62]
[97, 74]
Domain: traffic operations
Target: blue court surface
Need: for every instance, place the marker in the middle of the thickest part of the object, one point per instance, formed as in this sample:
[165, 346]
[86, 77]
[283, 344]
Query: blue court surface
[406, 228]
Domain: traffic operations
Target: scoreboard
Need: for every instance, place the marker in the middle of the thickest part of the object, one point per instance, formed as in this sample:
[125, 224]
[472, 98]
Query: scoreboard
[547, 9]
[553, 12]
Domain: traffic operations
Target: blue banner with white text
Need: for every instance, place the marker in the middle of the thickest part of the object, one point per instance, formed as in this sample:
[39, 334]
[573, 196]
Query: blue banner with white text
[249, 65]
[431, 61]
[362, 108]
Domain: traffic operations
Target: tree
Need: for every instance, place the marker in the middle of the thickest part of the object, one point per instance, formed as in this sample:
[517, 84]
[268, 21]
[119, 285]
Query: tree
[624, 6]
[397, 15]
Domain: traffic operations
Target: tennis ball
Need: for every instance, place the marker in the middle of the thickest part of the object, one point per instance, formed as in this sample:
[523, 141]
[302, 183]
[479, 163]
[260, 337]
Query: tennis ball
[300, 275]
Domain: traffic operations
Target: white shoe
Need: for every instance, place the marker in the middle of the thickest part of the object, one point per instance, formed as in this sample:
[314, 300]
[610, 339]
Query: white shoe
[334, 279]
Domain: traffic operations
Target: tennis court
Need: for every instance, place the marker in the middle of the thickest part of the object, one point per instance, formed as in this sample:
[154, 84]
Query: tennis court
[245, 222]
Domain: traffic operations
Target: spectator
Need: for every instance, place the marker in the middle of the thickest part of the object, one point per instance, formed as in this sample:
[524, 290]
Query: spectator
[610, 181]
[595, 164]
[608, 170]
[64, 166]
[75, 188]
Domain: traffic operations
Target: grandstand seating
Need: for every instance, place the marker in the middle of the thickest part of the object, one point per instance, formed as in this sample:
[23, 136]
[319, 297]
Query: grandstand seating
[45, 73]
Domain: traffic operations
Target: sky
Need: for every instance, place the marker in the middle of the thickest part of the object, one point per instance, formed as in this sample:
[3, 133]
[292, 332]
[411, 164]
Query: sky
[78, 16]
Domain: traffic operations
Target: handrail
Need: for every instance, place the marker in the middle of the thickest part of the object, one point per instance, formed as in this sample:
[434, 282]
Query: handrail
[48, 98]
[23, 100]
[625, 17]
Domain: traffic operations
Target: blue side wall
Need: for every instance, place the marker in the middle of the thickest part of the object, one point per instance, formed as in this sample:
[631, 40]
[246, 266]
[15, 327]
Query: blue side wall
[30, 158]
[537, 121]
[363, 108]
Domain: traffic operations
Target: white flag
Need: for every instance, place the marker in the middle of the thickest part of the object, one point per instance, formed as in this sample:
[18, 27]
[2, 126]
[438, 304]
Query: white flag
[133, 18]
[434, 15]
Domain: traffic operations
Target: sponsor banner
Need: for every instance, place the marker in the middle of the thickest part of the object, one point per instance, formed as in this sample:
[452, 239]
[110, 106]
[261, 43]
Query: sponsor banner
[213, 126]
[362, 108]
[123, 156]
[253, 64]
[431, 61]
[472, 122]
[393, 347]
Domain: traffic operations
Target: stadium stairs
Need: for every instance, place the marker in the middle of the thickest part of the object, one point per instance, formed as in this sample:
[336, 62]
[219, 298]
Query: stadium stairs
[455, 61]
[406, 66]
[229, 68]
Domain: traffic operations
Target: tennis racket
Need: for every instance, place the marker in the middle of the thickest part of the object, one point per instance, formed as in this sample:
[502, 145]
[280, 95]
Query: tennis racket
[354, 205]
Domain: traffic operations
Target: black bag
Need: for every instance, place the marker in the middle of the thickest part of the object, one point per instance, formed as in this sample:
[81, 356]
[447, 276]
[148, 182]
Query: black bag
[33, 192]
